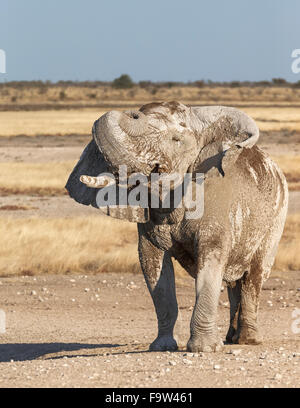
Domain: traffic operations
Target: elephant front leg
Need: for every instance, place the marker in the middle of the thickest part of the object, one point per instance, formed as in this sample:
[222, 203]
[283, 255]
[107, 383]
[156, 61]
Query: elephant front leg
[204, 333]
[159, 276]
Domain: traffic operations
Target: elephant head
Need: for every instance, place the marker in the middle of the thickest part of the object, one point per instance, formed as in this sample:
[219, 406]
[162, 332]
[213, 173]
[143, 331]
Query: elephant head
[166, 137]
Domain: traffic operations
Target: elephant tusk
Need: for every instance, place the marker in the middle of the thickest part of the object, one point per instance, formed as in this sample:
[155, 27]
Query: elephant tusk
[96, 182]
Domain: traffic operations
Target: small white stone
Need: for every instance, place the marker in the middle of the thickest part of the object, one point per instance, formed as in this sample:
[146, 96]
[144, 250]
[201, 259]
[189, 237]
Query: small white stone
[33, 292]
[217, 367]
[236, 352]
[188, 355]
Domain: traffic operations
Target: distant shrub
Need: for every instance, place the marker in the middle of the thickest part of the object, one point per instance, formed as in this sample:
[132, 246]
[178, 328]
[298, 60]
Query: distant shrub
[235, 84]
[123, 82]
[279, 81]
[262, 83]
[145, 84]
[62, 95]
[169, 84]
[199, 84]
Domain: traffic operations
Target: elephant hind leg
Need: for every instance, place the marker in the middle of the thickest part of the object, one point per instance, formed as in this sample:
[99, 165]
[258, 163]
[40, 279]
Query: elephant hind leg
[251, 285]
[244, 302]
[243, 298]
[234, 296]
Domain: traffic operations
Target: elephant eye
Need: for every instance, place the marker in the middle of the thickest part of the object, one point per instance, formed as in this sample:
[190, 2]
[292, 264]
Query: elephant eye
[176, 138]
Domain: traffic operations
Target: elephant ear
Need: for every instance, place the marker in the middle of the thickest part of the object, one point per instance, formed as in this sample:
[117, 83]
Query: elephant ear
[225, 133]
[92, 163]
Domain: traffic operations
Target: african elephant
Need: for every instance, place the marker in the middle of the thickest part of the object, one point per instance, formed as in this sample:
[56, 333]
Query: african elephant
[236, 238]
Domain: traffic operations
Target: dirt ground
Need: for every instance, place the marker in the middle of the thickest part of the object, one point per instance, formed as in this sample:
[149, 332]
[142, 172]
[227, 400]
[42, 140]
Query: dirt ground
[94, 331]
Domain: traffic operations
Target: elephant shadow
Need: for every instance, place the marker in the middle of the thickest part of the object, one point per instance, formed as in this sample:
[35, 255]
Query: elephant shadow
[32, 351]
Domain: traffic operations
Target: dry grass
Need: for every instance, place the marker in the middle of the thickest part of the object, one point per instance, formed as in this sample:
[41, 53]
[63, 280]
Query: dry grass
[34, 178]
[75, 121]
[271, 118]
[16, 207]
[91, 244]
[95, 244]
[291, 168]
[288, 255]
[34, 123]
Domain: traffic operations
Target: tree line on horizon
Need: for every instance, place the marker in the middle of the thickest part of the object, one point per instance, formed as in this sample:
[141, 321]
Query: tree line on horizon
[126, 82]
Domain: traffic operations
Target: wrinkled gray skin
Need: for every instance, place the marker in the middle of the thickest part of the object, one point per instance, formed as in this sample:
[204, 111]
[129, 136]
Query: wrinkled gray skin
[245, 205]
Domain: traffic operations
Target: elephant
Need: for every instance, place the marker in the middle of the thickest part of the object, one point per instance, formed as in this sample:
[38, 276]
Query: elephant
[236, 238]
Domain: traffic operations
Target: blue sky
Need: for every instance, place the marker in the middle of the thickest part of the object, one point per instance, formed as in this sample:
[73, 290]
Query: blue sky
[155, 40]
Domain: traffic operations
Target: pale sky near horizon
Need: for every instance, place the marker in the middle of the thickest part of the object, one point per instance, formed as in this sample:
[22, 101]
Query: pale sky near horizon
[158, 40]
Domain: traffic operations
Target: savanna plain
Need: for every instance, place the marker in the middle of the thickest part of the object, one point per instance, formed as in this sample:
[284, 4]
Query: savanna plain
[78, 313]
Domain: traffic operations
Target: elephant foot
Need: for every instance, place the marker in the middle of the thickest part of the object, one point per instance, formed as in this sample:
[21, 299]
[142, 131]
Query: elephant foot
[205, 344]
[164, 343]
[247, 336]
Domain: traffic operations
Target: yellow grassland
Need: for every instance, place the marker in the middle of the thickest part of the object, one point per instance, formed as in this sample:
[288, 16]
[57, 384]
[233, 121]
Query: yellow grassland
[94, 245]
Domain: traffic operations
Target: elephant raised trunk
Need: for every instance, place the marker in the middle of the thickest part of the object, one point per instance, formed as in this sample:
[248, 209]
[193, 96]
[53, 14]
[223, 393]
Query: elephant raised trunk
[115, 133]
